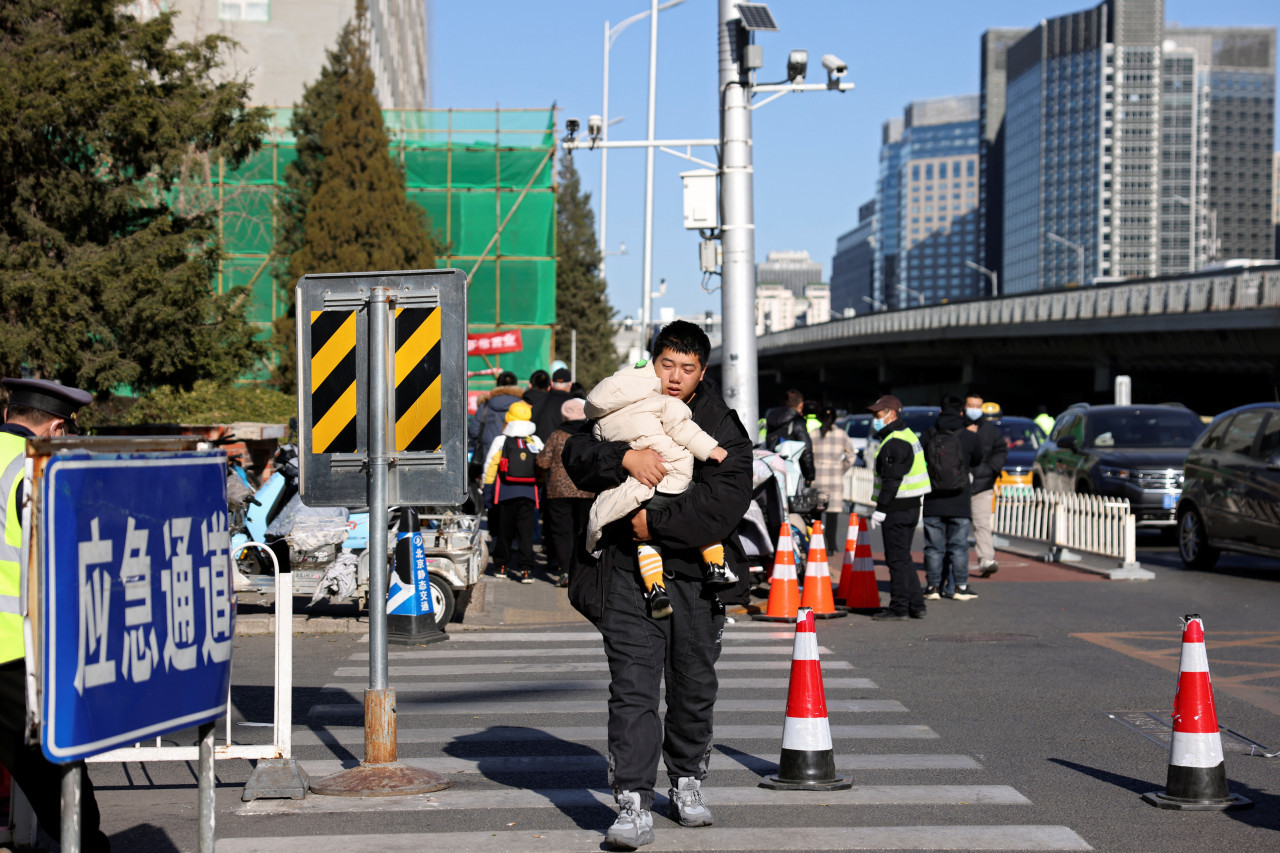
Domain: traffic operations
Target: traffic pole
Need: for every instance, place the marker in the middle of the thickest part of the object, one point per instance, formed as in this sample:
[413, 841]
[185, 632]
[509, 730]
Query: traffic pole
[737, 225]
[380, 774]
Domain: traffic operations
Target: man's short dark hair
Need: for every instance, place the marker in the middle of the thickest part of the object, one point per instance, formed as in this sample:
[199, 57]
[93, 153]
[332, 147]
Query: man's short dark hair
[793, 398]
[975, 394]
[28, 415]
[540, 379]
[952, 403]
[506, 378]
[685, 338]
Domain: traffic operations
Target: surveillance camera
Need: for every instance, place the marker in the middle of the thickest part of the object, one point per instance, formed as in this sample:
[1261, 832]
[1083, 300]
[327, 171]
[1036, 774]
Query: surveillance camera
[572, 125]
[835, 65]
[595, 126]
[797, 65]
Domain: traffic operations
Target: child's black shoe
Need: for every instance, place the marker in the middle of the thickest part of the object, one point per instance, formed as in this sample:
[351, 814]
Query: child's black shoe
[659, 603]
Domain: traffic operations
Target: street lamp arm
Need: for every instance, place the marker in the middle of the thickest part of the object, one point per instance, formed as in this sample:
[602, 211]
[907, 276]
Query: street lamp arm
[617, 29]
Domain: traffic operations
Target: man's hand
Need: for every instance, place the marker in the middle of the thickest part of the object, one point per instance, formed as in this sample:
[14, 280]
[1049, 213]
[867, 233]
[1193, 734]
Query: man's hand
[877, 519]
[640, 526]
[972, 427]
[645, 466]
[718, 455]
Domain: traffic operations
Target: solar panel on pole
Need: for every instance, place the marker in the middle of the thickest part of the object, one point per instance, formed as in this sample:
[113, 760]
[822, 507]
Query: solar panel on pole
[756, 16]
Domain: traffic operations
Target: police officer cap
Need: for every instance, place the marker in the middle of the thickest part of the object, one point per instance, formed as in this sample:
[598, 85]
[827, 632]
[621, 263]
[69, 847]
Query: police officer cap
[888, 401]
[47, 396]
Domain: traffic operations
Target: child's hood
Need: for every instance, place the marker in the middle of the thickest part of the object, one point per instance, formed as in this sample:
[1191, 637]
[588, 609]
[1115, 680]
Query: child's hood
[622, 389]
[518, 428]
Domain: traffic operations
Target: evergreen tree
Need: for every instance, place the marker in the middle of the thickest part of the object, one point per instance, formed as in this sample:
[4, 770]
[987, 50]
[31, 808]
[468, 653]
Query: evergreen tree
[319, 103]
[581, 301]
[357, 216]
[104, 279]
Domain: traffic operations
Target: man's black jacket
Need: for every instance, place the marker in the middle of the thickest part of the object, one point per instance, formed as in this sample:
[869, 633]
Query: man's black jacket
[785, 424]
[955, 503]
[994, 453]
[707, 512]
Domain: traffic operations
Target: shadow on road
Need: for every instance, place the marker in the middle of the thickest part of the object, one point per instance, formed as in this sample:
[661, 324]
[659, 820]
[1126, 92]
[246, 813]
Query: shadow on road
[1264, 813]
[144, 838]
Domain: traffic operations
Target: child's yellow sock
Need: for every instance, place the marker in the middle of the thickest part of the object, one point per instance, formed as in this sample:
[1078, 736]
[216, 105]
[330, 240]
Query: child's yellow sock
[650, 567]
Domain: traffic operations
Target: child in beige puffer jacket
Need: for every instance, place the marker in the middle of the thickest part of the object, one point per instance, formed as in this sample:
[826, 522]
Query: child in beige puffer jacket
[630, 406]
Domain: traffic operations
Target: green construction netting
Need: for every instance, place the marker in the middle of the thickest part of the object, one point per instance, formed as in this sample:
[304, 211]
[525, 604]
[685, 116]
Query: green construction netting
[468, 170]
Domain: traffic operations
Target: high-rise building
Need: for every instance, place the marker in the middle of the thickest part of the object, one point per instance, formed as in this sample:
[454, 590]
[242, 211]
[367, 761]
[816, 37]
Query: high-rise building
[792, 269]
[1082, 141]
[1134, 149]
[1231, 72]
[853, 265]
[283, 43]
[1275, 203]
[992, 97]
[927, 199]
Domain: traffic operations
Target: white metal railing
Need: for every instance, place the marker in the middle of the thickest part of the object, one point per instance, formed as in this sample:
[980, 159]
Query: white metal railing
[281, 746]
[1223, 290]
[1094, 524]
[858, 483]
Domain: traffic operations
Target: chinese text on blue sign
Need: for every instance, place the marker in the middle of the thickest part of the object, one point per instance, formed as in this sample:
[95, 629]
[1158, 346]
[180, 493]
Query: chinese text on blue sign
[138, 618]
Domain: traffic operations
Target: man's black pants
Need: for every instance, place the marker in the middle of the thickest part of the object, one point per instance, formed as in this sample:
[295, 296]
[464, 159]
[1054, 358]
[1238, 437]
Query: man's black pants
[39, 778]
[565, 520]
[905, 595]
[683, 648]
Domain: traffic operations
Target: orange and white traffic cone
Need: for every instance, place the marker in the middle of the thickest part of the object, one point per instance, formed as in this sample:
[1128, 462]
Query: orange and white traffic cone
[817, 579]
[808, 760]
[858, 590]
[784, 586]
[1197, 772]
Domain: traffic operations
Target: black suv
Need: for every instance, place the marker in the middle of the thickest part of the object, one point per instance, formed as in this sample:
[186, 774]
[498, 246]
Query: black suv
[1231, 500]
[1133, 452]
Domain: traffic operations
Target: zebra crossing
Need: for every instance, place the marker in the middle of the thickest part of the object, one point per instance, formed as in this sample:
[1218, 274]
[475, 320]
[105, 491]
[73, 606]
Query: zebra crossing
[516, 721]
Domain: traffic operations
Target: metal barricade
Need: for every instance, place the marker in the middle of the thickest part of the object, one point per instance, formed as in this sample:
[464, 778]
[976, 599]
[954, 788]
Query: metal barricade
[1090, 524]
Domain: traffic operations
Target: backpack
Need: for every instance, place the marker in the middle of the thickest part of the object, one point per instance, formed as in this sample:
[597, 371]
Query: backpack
[516, 465]
[944, 456]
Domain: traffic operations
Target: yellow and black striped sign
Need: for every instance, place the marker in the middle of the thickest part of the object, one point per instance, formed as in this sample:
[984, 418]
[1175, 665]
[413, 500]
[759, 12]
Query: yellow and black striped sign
[333, 381]
[418, 379]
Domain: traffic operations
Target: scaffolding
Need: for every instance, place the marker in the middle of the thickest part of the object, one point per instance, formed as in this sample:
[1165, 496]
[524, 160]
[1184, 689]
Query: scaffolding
[486, 177]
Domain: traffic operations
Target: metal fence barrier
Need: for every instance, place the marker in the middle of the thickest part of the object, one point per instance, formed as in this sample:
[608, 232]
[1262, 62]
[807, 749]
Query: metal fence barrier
[1070, 525]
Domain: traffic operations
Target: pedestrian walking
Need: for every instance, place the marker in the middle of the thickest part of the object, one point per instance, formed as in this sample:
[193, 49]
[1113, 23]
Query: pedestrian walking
[951, 453]
[833, 455]
[546, 412]
[539, 385]
[901, 480]
[510, 483]
[567, 506]
[682, 649]
[982, 501]
[37, 408]
[786, 422]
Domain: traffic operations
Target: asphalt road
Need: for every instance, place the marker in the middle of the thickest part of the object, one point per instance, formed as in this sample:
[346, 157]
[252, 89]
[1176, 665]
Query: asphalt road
[1000, 714]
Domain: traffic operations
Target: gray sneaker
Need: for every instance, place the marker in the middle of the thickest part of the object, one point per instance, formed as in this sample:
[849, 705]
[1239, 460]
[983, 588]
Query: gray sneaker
[963, 593]
[687, 807]
[634, 826]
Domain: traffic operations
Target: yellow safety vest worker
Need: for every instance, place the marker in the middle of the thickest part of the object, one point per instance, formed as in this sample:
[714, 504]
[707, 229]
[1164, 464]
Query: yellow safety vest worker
[13, 451]
[916, 483]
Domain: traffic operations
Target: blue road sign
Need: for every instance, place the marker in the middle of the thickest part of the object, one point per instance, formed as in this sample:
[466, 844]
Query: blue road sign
[138, 618]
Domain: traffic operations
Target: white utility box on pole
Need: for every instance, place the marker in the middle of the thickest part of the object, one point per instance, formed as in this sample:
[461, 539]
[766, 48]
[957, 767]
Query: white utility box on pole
[699, 199]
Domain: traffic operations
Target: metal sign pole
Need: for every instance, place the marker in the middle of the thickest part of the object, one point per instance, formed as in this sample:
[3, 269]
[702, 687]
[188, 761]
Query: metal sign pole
[207, 805]
[71, 779]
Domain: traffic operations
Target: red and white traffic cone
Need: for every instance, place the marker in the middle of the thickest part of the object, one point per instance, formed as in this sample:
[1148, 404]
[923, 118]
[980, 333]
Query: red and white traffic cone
[1197, 772]
[858, 590]
[784, 586]
[817, 579]
[808, 761]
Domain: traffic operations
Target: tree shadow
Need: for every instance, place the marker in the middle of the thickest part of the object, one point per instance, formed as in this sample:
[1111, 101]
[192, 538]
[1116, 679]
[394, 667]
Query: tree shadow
[144, 838]
[543, 753]
[1264, 814]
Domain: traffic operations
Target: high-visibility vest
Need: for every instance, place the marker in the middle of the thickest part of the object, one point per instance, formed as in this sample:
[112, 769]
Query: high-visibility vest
[916, 483]
[13, 452]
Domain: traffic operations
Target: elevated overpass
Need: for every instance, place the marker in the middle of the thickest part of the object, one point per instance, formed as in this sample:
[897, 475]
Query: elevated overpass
[1210, 340]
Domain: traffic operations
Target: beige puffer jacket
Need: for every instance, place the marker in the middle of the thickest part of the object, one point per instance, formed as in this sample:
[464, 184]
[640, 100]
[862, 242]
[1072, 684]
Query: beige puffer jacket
[630, 406]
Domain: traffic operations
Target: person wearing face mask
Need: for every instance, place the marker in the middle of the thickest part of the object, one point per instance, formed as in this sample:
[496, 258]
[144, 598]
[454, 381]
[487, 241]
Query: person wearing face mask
[901, 480]
[37, 408]
[994, 453]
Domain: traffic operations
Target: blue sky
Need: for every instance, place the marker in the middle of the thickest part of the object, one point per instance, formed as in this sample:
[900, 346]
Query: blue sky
[815, 153]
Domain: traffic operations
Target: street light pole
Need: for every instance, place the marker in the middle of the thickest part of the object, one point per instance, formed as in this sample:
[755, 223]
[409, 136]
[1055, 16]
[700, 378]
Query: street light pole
[991, 274]
[646, 305]
[737, 225]
[917, 294]
[1079, 254]
[876, 304]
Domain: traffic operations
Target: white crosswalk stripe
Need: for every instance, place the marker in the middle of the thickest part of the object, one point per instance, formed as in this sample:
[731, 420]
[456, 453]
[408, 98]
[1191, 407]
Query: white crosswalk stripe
[521, 715]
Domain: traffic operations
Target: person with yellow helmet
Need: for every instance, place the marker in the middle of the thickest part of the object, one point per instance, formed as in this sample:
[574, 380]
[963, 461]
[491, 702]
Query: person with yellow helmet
[901, 480]
[37, 408]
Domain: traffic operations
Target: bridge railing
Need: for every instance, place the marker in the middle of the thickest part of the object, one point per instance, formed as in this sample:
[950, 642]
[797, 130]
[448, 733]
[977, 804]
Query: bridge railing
[1229, 290]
